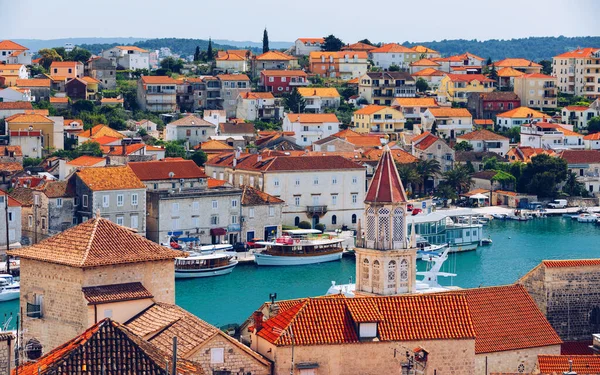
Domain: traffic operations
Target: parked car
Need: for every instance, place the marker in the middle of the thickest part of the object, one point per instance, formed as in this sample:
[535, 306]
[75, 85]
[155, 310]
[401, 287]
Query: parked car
[240, 247]
[252, 244]
[558, 203]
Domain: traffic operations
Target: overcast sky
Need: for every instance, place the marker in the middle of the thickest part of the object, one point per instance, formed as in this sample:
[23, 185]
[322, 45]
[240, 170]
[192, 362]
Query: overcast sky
[286, 20]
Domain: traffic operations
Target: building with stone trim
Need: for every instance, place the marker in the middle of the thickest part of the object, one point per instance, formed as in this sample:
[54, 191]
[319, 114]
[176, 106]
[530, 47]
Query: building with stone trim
[6, 352]
[261, 214]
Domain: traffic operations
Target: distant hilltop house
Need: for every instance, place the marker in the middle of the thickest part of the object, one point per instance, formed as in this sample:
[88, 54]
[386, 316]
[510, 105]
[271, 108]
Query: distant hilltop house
[304, 46]
[128, 57]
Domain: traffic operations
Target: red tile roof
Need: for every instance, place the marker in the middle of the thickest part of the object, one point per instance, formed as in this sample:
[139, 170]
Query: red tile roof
[577, 348]
[191, 120]
[322, 321]
[10, 45]
[400, 156]
[157, 80]
[275, 56]
[507, 318]
[284, 163]
[233, 77]
[392, 48]
[424, 62]
[427, 72]
[468, 77]
[110, 178]
[86, 161]
[162, 169]
[213, 183]
[33, 83]
[481, 135]
[576, 108]
[386, 186]
[571, 263]
[118, 150]
[522, 112]
[581, 156]
[253, 197]
[449, 112]
[516, 62]
[592, 137]
[312, 118]
[364, 141]
[97, 242]
[64, 64]
[578, 53]
[559, 364]
[312, 40]
[358, 47]
[15, 105]
[283, 73]
[115, 293]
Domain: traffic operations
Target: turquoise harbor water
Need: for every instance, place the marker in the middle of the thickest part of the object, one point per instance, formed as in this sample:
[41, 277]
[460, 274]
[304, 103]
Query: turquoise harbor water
[517, 248]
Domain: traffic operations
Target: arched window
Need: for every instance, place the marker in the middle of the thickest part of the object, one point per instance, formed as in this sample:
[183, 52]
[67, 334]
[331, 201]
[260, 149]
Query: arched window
[398, 225]
[334, 219]
[365, 272]
[353, 218]
[375, 272]
[391, 275]
[383, 231]
[403, 270]
[296, 221]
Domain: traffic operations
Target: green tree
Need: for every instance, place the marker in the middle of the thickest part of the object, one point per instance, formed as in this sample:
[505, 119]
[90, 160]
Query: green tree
[29, 162]
[394, 68]
[199, 157]
[171, 64]
[320, 226]
[209, 51]
[573, 187]
[434, 128]
[174, 149]
[542, 175]
[493, 73]
[197, 54]
[427, 169]
[89, 148]
[593, 125]
[546, 66]
[304, 225]
[365, 41]
[294, 102]
[490, 163]
[459, 178]
[409, 176]
[332, 44]
[47, 56]
[79, 54]
[445, 191]
[489, 61]
[463, 146]
[265, 41]
[422, 85]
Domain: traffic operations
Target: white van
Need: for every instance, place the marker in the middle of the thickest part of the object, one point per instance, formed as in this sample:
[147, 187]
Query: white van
[558, 203]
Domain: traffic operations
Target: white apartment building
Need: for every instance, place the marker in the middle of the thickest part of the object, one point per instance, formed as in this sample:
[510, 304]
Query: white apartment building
[157, 94]
[450, 122]
[190, 128]
[320, 98]
[304, 46]
[578, 116]
[485, 140]
[14, 221]
[310, 127]
[393, 54]
[258, 105]
[578, 72]
[128, 57]
[318, 189]
[519, 116]
[551, 136]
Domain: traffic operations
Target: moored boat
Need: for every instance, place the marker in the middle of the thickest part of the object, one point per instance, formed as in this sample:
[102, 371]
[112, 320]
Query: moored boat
[587, 218]
[299, 247]
[204, 265]
[9, 288]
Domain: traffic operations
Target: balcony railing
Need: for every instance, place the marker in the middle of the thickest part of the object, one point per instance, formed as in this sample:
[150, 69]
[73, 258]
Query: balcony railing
[34, 311]
[318, 210]
[305, 83]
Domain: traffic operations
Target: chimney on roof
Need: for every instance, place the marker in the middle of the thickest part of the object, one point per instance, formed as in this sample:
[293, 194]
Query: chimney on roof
[259, 158]
[123, 147]
[273, 310]
[258, 320]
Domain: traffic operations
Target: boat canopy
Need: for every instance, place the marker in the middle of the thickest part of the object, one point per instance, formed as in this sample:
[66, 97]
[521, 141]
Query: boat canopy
[302, 231]
[206, 257]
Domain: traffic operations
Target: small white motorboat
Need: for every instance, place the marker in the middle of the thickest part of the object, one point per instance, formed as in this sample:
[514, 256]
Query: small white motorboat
[486, 241]
[500, 216]
[9, 288]
[204, 265]
[587, 218]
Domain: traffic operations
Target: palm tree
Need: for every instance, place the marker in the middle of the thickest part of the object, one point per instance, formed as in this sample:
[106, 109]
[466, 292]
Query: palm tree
[409, 176]
[459, 178]
[427, 169]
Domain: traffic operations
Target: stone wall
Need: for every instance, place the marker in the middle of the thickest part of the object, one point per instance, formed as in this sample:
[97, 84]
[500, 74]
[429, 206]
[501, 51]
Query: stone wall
[236, 359]
[64, 308]
[448, 357]
[582, 202]
[6, 355]
[509, 361]
[535, 283]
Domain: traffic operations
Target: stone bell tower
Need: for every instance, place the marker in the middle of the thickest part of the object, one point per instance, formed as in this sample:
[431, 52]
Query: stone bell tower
[385, 257]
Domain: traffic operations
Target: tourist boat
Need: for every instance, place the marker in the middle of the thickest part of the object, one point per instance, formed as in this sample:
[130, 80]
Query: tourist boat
[204, 265]
[429, 283]
[442, 228]
[587, 218]
[299, 247]
[9, 288]
[486, 241]
[519, 215]
[425, 250]
[189, 244]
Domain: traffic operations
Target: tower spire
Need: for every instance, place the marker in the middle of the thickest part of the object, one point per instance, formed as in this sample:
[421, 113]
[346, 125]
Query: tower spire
[386, 186]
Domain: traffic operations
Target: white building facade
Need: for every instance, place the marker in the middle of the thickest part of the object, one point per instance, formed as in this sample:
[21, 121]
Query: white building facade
[309, 128]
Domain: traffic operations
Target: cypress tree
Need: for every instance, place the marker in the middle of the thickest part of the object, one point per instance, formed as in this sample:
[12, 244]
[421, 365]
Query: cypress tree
[197, 54]
[209, 51]
[265, 41]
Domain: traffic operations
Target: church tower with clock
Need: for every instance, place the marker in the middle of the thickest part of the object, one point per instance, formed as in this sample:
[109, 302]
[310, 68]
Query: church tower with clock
[385, 255]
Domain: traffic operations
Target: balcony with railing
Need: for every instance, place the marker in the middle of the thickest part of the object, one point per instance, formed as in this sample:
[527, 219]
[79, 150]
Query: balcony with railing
[34, 310]
[316, 210]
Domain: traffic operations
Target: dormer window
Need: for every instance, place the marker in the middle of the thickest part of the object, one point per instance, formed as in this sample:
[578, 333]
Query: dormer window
[367, 330]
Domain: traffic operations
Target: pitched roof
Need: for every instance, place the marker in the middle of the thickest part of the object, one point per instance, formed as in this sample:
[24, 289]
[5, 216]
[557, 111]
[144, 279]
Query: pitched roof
[275, 55]
[423, 49]
[33, 82]
[285, 163]
[358, 47]
[364, 141]
[133, 48]
[24, 118]
[576, 108]
[400, 156]
[56, 99]
[428, 72]
[415, 102]
[116, 177]
[562, 364]
[122, 151]
[392, 48]
[581, 156]
[328, 92]
[64, 64]
[386, 185]
[509, 72]
[86, 161]
[213, 182]
[236, 128]
[191, 120]
[370, 109]
[538, 75]
[507, 318]
[424, 62]
[283, 73]
[346, 133]
[162, 169]
[522, 112]
[482, 135]
[96, 295]
[592, 137]
[255, 197]
[233, 77]
[518, 62]
[571, 263]
[57, 189]
[257, 95]
[90, 351]
[449, 112]
[23, 195]
[312, 118]
[425, 141]
[468, 77]
[322, 321]
[11, 201]
[10, 45]
[10, 167]
[213, 144]
[578, 53]
[98, 131]
[312, 40]
[15, 105]
[94, 243]
[157, 80]
[230, 57]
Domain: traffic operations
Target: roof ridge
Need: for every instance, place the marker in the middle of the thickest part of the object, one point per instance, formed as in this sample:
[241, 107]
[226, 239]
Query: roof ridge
[89, 245]
[304, 303]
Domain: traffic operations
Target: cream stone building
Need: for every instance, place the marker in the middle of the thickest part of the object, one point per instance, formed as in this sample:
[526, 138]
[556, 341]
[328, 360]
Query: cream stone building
[537, 90]
[261, 214]
[578, 72]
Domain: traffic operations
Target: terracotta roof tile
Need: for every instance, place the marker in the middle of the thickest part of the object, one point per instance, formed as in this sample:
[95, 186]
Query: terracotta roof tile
[468, 78]
[577, 348]
[86, 161]
[236, 128]
[110, 178]
[214, 183]
[257, 95]
[312, 118]
[118, 150]
[449, 112]
[358, 47]
[571, 263]
[507, 318]
[424, 62]
[482, 121]
[23, 195]
[523, 112]
[285, 163]
[400, 156]
[191, 120]
[161, 169]
[10, 167]
[33, 83]
[57, 189]
[370, 109]
[426, 142]
[423, 49]
[213, 145]
[559, 364]
[255, 197]
[538, 76]
[10, 45]
[516, 62]
[328, 92]
[115, 293]
[283, 73]
[576, 108]
[23, 118]
[578, 53]
[428, 72]
[386, 185]
[233, 77]
[581, 156]
[97, 242]
[392, 48]
[133, 48]
[346, 133]
[364, 141]
[415, 102]
[56, 99]
[157, 80]
[509, 72]
[64, 64]
[312, 40]
[592, 137]
[15, 105]
[481, 135]
[275, 56]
